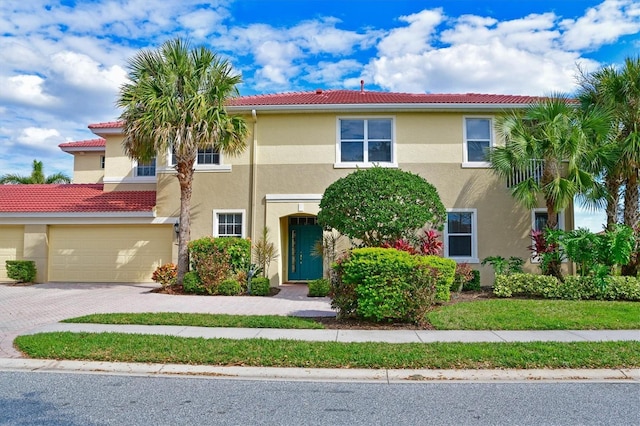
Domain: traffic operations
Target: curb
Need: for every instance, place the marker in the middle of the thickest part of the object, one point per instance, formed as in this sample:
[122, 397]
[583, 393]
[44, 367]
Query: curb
[319, 374]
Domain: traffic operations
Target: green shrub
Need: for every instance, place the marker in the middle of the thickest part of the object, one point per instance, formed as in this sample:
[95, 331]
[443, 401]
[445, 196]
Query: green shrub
[216, 259]
[319, 287]
[229, 287]
[463, 274]
[446, 274]
[572, 288]
[474, 283]
[23, 271]
[191, 283]
[260, 286]
[388, 285]
[166, 275]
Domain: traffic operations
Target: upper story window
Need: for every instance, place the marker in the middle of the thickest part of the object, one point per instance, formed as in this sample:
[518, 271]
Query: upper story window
[478, 139]
[461, 235]
[146, 168]
[102, 161]
[365, 141]
[205, 156]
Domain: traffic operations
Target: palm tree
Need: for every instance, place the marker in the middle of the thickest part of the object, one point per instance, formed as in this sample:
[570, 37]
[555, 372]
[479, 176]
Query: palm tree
[175, 101]
[619, 90]
[555, 133]
[37, 177]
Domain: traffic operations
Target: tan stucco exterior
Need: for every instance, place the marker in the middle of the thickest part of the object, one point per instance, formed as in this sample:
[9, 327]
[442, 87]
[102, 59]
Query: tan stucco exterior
[11, 247]
[86, 167]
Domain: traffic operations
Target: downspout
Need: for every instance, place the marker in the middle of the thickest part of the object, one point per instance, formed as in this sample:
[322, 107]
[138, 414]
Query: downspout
[253, 168]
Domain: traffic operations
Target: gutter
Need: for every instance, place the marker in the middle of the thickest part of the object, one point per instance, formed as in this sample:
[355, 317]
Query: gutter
[253, 178]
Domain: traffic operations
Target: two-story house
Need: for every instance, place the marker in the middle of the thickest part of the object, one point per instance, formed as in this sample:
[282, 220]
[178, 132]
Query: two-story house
[115, 223]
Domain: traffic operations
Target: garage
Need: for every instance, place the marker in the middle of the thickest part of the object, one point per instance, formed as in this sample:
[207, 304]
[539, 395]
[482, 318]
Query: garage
[11, 246]
[108, 253]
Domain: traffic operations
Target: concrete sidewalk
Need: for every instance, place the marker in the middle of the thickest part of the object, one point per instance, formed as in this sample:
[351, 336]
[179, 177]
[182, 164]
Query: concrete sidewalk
[327, 335]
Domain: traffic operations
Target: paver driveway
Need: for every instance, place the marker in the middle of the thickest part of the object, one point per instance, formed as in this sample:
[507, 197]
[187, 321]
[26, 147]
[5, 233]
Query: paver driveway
[25, 307]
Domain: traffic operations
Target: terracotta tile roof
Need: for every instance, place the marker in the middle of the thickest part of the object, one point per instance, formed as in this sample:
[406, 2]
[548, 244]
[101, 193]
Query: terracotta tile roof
[90, 143]
[76, 198]
[356, 97]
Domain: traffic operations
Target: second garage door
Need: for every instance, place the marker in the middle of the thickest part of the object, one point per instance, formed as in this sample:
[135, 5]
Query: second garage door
[11, 243]
[109, 253]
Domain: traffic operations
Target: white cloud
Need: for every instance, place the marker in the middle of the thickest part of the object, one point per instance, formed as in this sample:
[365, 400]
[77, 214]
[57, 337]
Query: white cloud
[602, 24]
[82, 71]
[42, 139]
[332, 73]
[25, 89]
[415, 38]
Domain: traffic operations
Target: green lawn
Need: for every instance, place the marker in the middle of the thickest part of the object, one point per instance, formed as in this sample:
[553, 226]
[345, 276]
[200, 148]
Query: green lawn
[199, 320]
[518, 314]
[289, 353]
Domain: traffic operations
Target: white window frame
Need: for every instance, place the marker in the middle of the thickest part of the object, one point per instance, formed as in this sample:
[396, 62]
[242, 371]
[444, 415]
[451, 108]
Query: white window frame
[135, 170]
[103, 161]
[474, 236]
[339, 164]
[216, 221]
[536, 259]
[198, 167]
[465, 150]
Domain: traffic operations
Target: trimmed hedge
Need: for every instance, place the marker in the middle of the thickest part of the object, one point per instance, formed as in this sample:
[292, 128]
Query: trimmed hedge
[573, 287]
[23, 271]
[446, 274]
[319, 287]
[191, 283]
[383, 284]
[260, 286]
[218, 259]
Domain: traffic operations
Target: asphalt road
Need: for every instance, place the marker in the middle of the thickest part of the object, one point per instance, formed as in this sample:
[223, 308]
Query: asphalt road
[37, 398]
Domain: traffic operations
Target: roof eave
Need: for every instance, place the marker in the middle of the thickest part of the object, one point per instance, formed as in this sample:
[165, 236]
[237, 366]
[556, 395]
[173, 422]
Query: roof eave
[464, 107]
[72, 149]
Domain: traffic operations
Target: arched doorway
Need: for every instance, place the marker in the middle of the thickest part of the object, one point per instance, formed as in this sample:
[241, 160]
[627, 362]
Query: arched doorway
[304, 261]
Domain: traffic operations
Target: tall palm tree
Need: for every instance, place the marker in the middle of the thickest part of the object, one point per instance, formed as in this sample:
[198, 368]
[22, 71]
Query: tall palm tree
[37, 176]
[175, 101]
[619, 90]
[554, 132]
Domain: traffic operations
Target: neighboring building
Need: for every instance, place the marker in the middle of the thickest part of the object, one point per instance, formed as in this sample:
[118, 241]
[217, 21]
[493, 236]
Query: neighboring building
[298, 145]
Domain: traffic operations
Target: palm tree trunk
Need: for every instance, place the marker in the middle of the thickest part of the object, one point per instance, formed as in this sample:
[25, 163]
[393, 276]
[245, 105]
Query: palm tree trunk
[185, 179]
[631, 218]
[613, 183]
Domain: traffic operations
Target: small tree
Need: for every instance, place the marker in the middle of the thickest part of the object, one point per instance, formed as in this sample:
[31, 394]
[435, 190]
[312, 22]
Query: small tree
[264, 252]
[379, 204]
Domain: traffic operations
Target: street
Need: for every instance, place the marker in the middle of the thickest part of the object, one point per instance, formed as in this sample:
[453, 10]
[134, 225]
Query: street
[37, 398]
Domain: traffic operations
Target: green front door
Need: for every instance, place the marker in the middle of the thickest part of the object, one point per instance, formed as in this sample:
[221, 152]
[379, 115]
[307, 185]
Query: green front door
[304, 264]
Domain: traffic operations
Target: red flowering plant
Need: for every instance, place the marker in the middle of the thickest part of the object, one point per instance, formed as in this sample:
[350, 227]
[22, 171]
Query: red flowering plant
[166, 275]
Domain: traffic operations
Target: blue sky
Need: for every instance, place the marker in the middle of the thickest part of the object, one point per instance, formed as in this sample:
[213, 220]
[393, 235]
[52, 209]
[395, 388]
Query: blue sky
[62, 62]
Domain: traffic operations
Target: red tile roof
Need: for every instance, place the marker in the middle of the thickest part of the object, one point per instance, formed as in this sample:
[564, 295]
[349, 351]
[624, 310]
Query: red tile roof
[356, 97]
[76, 198]
[90, 143]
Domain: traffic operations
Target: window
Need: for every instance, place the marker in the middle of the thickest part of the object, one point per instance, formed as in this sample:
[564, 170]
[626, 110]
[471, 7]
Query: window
[477, 139]
[365, 141]
[208, 156]
[539, 219]
[228, 223]
[146, 168]
[102, 161]
[461, 235]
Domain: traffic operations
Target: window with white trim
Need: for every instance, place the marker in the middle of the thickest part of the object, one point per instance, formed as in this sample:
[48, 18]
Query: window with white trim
[146, 168]
[228, 223]
[460, 239]
[365, 141]
[539, 218]
[102, 161]
[478, 139]
[205, 156]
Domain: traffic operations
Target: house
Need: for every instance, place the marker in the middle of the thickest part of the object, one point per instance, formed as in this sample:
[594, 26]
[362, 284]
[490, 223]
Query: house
[115, 223]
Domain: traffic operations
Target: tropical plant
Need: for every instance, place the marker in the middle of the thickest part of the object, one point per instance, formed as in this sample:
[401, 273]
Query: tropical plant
[556, 132]
[37, 177]
[264, 252]
[502, 266]
[175, 101]
[380, 204]
[618, 89]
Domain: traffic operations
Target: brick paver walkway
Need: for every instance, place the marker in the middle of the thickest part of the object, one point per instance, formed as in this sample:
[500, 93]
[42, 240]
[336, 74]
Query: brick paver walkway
[23, 308]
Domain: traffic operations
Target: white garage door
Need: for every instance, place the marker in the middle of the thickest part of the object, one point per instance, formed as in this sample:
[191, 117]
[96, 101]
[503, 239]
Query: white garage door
[11, 246]
[108, 253]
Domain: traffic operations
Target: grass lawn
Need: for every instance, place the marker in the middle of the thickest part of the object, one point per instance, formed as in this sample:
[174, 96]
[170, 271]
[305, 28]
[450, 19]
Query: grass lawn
[199, 320]
[289, 353]
[491, 314]
[533, 314]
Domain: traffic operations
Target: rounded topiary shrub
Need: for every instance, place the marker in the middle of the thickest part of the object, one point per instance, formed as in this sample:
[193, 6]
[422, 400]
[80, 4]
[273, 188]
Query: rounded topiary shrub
[229, 287]
[260, 286]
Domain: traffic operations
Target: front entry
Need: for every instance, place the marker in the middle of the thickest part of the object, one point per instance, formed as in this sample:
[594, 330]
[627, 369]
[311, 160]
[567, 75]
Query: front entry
[304, 263]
